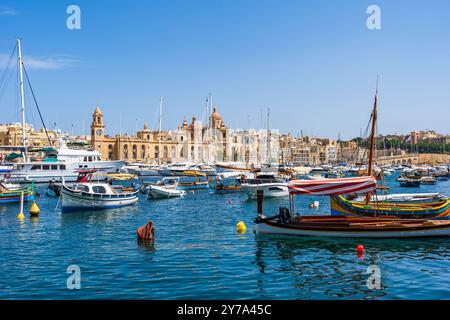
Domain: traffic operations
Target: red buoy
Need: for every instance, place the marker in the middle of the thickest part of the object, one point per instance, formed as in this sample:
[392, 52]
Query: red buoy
[146, 232]
[360, 250]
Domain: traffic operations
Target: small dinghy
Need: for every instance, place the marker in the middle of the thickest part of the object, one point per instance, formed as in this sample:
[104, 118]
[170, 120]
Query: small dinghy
[88, 195]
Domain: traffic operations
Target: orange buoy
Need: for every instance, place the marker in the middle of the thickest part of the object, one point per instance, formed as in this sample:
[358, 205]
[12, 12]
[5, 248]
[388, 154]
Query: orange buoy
[146, 232]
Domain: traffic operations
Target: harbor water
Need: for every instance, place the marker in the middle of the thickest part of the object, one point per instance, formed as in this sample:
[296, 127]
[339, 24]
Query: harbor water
[197, 254]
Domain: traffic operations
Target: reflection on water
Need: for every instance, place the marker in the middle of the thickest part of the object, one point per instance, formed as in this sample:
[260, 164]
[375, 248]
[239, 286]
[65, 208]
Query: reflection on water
[333, 266]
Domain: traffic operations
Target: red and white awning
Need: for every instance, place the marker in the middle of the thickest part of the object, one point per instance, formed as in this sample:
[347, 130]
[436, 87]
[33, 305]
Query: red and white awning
[333, 187]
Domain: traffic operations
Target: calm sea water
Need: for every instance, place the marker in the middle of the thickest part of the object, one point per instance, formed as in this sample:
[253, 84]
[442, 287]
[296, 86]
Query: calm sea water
[197, 254]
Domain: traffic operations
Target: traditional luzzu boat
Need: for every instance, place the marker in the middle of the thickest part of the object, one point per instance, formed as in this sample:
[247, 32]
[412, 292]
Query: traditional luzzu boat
[89, 195]
[344, 226]
[420, 210]
[10, 193]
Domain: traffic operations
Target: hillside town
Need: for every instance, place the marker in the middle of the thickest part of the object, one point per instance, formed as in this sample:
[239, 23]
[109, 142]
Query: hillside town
[196, 142]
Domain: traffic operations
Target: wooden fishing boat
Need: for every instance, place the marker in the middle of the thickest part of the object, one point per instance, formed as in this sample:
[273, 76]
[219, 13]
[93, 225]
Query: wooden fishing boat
[226, 189]
[14, 195]
[353, 227]
[191, 185]
[89, 195]
[426, 210]
[344, 226]
[10, 193]
[193, 173]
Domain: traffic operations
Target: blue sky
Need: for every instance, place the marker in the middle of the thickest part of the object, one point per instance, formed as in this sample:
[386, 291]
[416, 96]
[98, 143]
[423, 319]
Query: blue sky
[314, 63]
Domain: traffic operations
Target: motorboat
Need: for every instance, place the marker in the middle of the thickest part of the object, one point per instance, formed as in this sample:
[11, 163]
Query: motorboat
[272, 186]
[174, 169]
[409, 182]
[89, 195]
[165, 188]
[427, 180]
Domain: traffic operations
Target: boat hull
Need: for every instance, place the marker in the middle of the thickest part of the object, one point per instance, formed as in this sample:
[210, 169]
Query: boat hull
[270, 190]
[428, 210]
[390, 229]
[75, 201]
[156, 192]
[14, 196]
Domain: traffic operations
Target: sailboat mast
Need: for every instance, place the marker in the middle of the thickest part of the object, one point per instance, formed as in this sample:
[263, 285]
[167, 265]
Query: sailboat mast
[159, 129]
[268, 136]
[22, 96]
[372, 134]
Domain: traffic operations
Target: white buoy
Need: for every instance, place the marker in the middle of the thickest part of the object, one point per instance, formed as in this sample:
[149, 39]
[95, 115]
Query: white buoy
[316, 204]
[21, 216]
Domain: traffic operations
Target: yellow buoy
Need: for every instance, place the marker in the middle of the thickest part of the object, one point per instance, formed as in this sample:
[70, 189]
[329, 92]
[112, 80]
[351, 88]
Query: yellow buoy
[21, 216]
[240, 227]
[34, 209]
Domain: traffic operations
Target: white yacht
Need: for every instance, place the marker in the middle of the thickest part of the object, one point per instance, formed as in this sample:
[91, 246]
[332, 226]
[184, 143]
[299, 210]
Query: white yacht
[64, 166]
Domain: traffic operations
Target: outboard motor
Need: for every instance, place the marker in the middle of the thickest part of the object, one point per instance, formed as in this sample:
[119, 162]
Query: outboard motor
[284, 215]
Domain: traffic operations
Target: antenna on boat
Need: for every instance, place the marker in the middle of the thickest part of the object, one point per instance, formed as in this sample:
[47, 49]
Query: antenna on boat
[22, 96]
[159, 129]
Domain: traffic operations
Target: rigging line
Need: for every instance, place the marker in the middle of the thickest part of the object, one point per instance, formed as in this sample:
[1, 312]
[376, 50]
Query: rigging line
[3, 90]
[37, 106]
[7, 66]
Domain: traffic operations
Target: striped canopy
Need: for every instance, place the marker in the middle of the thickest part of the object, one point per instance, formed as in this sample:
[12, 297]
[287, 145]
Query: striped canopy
[333, 187]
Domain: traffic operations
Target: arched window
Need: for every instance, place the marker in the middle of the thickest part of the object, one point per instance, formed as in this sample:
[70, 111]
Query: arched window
[125, 151]
[143, 152]
[110, 151]
[134, 153]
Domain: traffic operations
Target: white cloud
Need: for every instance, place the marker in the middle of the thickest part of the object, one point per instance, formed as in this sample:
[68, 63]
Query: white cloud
[7, 11]
[43, 63]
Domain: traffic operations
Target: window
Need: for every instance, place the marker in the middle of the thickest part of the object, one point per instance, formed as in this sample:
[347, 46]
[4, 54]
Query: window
[81, 187]
[36, 167]
[62, 167]
[85, 159]
[46, 167]
[98, 189]
[54, 167]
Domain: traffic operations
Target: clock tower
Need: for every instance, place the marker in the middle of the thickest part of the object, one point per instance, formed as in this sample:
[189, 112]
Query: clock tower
[97, 129]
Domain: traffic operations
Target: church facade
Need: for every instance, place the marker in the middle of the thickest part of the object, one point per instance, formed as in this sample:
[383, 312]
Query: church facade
[192, 142]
